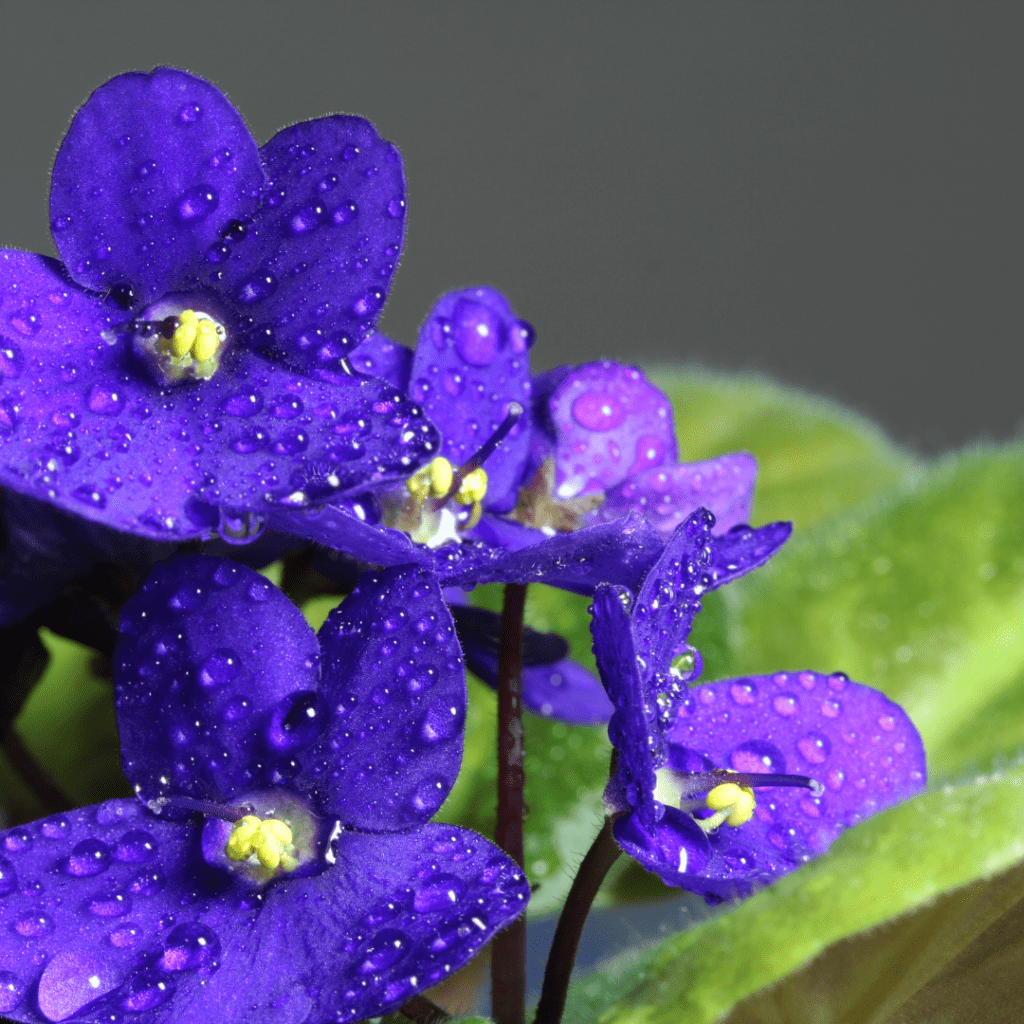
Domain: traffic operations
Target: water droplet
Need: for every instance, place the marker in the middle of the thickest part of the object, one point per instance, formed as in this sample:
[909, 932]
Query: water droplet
[887, 722]
[256, 288]
[835, 779]
[521, 336]
[113, 904]
[12, 362]
[149, 883]
[189, 947]
[8, 877]
[57, 827]
[781, 837]
[477, 333]
[286, 407]
[369, 302]
[89, 494]
[757, 756]
[190, 113]
[429, 795]
[197, 202]
[260, 590]
[743, 692]
[60, 223]
[220, 667]
[9, 416]
[17, 840]
[187, 598]
[239, 527]
[290, 443]
[11, 991]
[89, 857]
[126, 936]
[440, 723]
[386, 948]
[396, 208]
[814, 748]
[243, 403]
[252, 441]
[439, 892]
[33, 926]
[149, 989]
[831, 708]
[810, 807]
[136, 847]
[296, 721]
[345, 213]
[454, 383]
[25, 321]
[598, 410]
[785, 704]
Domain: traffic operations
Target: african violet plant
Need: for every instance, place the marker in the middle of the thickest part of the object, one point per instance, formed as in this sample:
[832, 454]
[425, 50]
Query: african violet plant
[199, 387]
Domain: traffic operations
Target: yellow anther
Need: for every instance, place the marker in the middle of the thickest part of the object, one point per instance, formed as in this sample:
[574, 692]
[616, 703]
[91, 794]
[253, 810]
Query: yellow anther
[185, 335]
[433, 480]
[738, 801]
[270, 840]
[473, 487]
[207, 340]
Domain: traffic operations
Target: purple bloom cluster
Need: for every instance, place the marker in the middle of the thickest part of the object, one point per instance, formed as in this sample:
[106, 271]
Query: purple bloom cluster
[186, 364]
[227, 700]
[853, 750]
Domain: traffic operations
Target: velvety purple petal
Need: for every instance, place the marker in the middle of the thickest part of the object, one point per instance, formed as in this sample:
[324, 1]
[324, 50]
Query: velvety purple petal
[215, 681]
[611, 424]
[471, 362]
[109, 909]
[102, 910]
[633, 722]
[479, 631]
[341, 528]
[744, 548]
[379, 356]
[151, 170]
[84, 427]
[674, 842]
[668, 494]
[395, 688]
[670, 597]
[852, 739]
[310, 272]
[619, 552]
[507, 534]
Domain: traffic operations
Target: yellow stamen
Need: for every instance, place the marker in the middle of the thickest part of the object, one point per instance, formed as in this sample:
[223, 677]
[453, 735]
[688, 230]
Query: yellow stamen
[207, 340]
[181, 340]
[433, 480]
[733, 805]
[270, 840]
[473, 487]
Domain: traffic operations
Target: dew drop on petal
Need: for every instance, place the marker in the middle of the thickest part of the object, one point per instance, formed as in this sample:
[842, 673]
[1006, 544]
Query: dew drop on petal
[197, 202]
[11, 991]
[598, 410]
[785, 704]
[757, 756]
[72, 980]
[743, 692]
[296, 721]
[8, 877]
[136, 847]
[386, 948]
[34, 925]
[221, 667]
[89, 857]
[814, 748]
[190, 946]
[147, 990]
[11, 359]
[105, 399]
[439, 892]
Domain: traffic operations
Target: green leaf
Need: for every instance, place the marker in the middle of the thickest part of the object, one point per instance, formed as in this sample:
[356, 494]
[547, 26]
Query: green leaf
[893, 863]
[68, 723]
[921, 595]
[816, 457]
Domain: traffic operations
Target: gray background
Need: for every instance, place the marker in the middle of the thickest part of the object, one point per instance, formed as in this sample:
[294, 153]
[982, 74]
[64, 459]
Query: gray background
[830, 193]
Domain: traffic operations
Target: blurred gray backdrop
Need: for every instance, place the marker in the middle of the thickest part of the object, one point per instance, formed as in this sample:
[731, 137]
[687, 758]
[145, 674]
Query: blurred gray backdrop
[829, 193]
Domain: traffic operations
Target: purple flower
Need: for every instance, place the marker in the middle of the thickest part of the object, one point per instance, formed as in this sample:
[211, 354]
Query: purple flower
[278, 859]
[681, 813]
[186, 365]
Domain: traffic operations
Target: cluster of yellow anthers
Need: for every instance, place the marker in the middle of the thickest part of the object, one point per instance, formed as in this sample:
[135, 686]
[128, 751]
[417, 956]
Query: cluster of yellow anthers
[197, 334]
[435, 481]
[734, 805]
[270, 840]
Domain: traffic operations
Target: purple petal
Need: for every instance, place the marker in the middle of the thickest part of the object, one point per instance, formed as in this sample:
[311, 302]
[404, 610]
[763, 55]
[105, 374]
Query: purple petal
[675, 840]
[632, 722]
[742, 549]
[611, 424]
[670, 596]
[83, 426]
[471, 362]
[379, 356]
[151, 170]
[106, 910]
[311, 274]
[852, 739]
[394, 681]
[619, 552]
[93, 915]
[668, 494]
[215, 675]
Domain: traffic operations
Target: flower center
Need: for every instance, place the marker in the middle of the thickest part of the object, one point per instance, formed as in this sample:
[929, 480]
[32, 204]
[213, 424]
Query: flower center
[178, 340]
[266, 834]
[728, 795]
[443, 502]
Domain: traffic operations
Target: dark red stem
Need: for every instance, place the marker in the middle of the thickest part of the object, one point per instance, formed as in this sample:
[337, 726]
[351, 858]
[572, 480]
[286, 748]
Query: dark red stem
[508, 954]
[423, 1011]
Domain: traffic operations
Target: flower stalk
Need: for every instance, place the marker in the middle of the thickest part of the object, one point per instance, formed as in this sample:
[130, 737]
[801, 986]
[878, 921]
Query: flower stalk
[508, 961]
